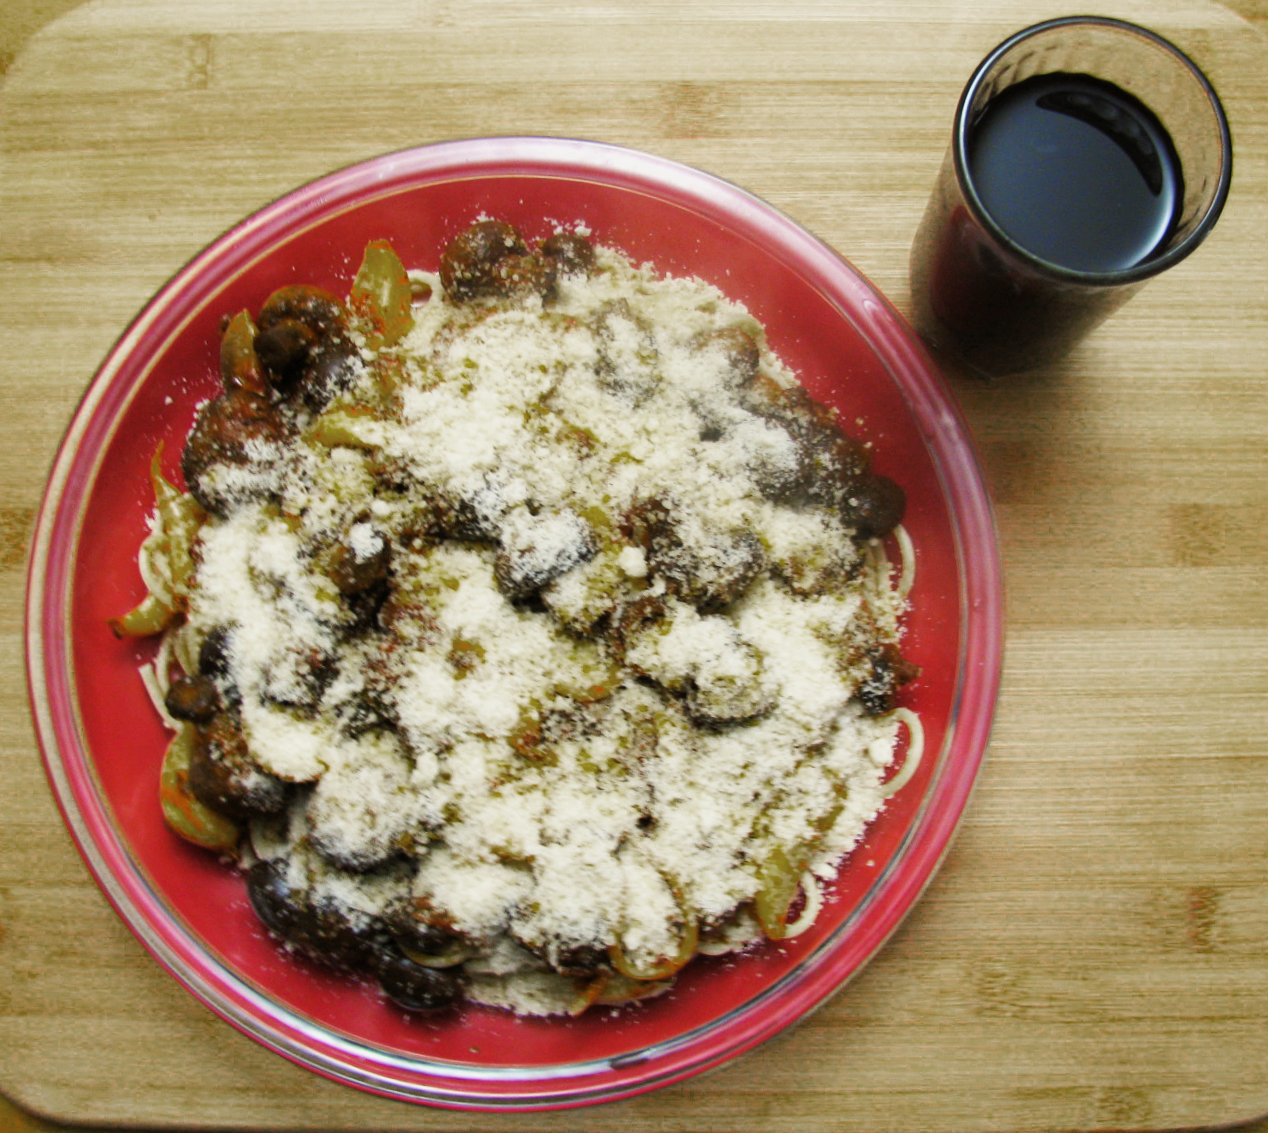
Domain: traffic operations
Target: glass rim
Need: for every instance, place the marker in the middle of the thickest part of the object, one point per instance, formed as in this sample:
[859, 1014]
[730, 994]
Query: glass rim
[1146, 269]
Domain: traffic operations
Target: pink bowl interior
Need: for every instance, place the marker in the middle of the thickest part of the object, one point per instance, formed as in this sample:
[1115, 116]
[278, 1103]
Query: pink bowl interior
[103, 741]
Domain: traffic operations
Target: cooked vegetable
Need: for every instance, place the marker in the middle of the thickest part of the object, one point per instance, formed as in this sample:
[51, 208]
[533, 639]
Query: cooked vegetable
[166, 558]
[239, 362]
[381, 296]
[186, 815]
[779, 879]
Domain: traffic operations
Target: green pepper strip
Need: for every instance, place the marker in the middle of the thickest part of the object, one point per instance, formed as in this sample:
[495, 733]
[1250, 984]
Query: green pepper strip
[778, 881]
[180, 518]
[664, 966]
[192, 819]
[381, 295]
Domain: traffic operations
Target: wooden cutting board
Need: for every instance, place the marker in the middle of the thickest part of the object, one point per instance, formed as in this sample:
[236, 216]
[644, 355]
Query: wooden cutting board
[1094, 954]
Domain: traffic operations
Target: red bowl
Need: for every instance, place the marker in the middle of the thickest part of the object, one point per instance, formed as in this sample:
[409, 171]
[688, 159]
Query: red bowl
[103, 743]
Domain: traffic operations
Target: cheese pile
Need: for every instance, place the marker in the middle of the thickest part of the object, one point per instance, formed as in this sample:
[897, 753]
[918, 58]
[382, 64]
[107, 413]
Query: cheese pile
[618, 681]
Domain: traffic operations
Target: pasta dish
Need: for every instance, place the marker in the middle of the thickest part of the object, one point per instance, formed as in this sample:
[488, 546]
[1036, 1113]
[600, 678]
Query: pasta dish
[525, 629]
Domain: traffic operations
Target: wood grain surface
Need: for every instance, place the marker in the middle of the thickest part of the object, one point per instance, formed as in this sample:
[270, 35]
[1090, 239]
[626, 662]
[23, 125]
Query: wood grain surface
[1094, 954]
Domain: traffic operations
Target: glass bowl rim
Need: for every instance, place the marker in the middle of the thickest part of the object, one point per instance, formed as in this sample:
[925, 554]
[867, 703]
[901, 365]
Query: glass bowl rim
[512, 1089]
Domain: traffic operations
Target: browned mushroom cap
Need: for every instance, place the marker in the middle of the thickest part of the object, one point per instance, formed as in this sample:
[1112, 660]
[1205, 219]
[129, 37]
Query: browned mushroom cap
[531, 273]
[417, 987]
[193, 698]
[537, 553]
[321, 927]
[331, 369]
[315, 307]
[468, 266]
[710, 575]
[888, 671]
[572, 252]
[303, 345]
[361, 561]
[235, 429]
[828, 459]
[285, 348]
[631, 619]
[421, 930]
[873, 505]
[224, 775]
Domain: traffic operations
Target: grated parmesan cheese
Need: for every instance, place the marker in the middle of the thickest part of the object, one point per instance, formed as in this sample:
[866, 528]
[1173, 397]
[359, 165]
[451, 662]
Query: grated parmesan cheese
[611, 672]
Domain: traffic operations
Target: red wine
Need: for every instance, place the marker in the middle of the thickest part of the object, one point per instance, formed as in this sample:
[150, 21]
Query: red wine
[1076, 171]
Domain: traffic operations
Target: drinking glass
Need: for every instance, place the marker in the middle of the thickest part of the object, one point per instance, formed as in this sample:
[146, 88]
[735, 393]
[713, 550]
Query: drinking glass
[984, 296]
